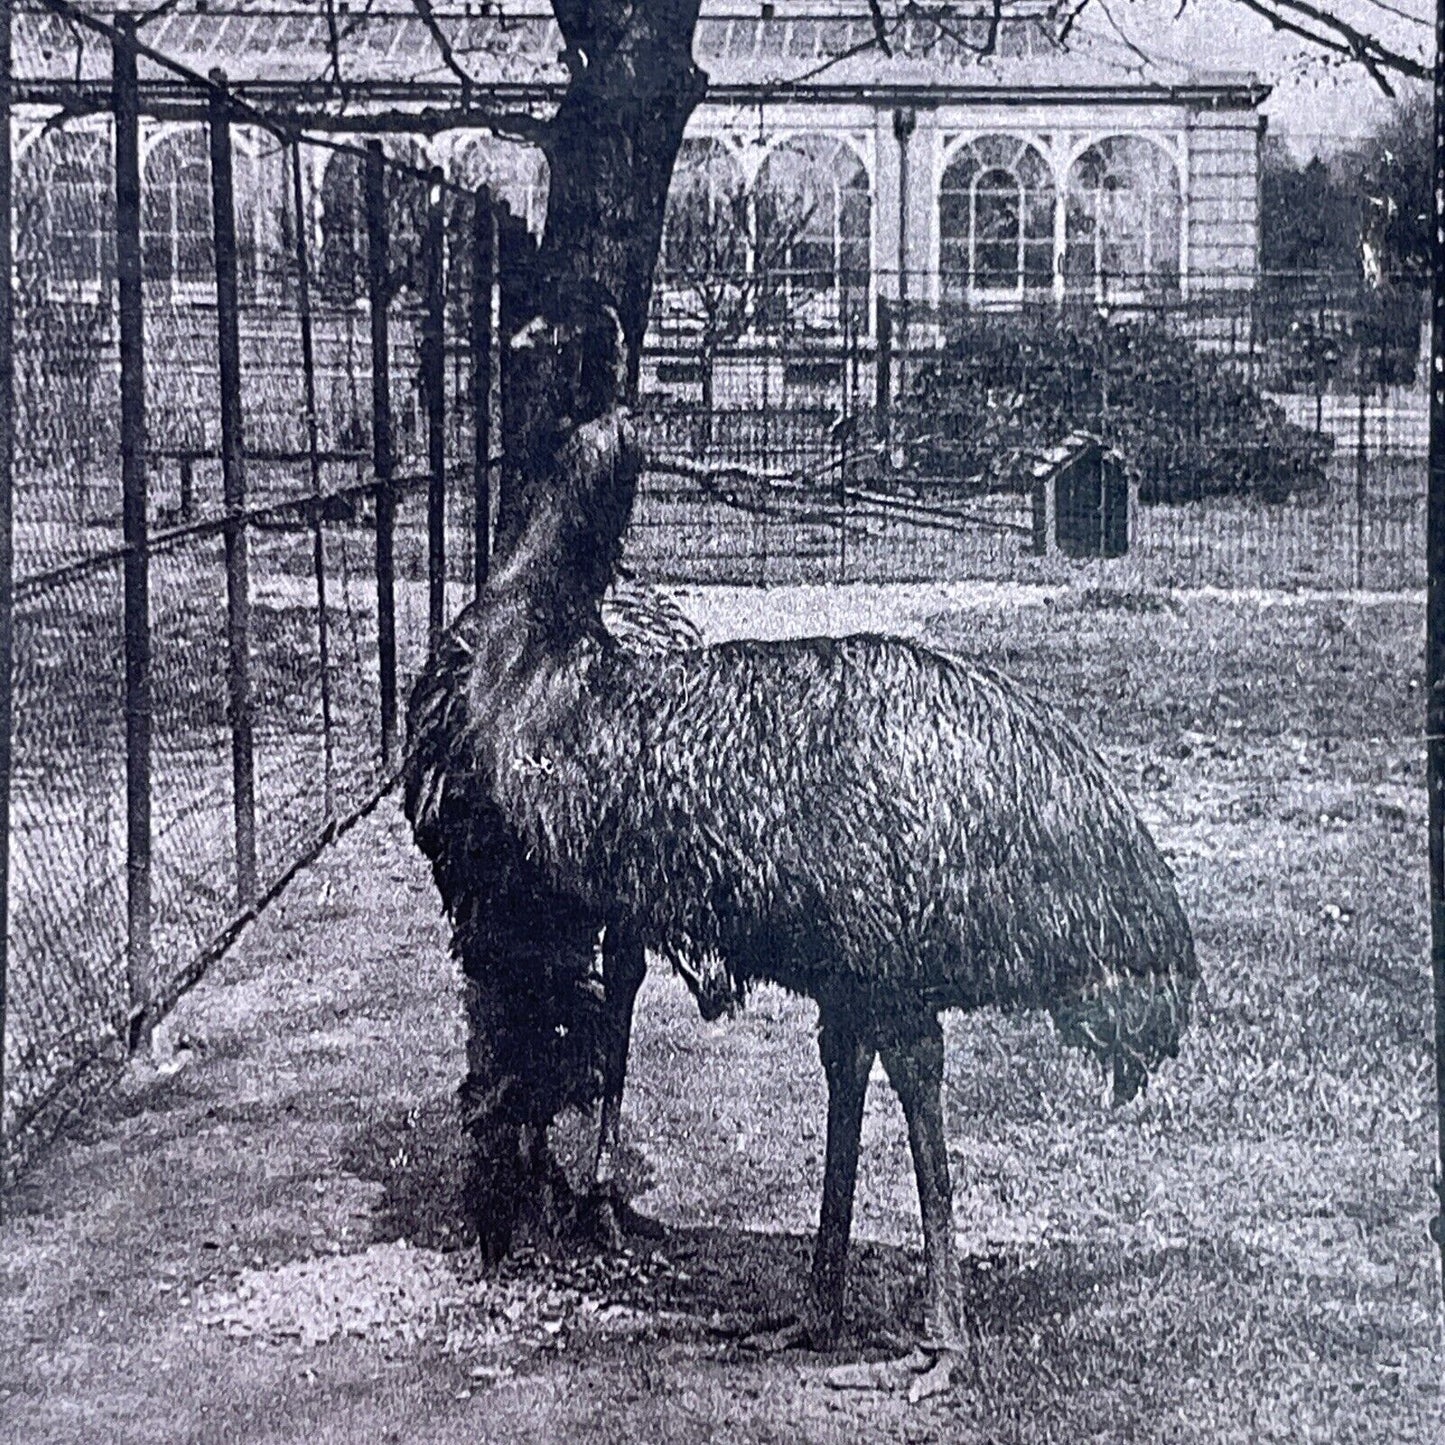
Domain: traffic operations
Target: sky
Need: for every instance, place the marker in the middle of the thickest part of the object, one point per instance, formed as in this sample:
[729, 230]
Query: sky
[1319, 104]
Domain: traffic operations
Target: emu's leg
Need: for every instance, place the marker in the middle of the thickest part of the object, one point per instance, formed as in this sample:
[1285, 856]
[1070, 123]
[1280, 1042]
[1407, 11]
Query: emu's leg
[624, 965]
[529, 1049]
[847, 1060]
[915, 1068]
[494, 1138]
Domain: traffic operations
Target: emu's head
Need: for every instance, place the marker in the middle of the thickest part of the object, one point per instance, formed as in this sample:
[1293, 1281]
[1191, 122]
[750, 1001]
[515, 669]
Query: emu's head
[582, 461]
[579, 334]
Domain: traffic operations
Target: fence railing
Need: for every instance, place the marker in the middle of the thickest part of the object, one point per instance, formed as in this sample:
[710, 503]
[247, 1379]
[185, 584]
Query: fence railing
[242, 513]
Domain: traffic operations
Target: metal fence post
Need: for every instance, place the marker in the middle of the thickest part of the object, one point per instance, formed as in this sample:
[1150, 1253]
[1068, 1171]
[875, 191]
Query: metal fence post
[7, 554]
[843, 435]
[433, 365]
[126, 105]
[313, 457]
[378, 290]
[233, 482]
[883, 372]
[1361, 378]
[1435, 624]
[188, 489]
[484, 253]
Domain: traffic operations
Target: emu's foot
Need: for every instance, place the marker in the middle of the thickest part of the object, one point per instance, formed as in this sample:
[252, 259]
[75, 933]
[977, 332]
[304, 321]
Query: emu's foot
[598, 1222]
[637, 1226]
[772, 1335]
[937, 1379]
[609, 1221]
[925, 1371]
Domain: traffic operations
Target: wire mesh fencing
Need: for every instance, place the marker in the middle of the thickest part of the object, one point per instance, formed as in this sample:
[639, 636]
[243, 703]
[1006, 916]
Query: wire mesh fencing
[253, 481]
[1267, 434]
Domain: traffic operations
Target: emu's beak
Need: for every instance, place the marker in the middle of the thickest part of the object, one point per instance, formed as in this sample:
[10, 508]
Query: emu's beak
[530, 335]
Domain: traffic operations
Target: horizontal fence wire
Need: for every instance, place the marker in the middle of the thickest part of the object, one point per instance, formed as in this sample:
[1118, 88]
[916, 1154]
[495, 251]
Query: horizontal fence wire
[277, 550]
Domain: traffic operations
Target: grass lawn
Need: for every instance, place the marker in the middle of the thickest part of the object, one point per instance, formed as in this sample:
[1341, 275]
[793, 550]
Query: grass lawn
[1242, 1255]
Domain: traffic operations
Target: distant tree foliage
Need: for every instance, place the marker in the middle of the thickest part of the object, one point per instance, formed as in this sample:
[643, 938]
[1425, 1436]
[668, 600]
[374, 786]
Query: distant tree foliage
[1309, 220]
[1345, 247]
[1364, 215]
[1394, 167]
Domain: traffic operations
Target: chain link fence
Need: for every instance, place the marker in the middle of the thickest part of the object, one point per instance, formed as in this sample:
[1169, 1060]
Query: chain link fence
[252, 482]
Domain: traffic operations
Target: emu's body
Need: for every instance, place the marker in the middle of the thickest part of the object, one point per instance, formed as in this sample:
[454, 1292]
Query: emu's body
[886, 830]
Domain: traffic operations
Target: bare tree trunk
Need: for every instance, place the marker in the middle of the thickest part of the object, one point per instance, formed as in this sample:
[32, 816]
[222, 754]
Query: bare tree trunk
[611, 148]
[613, 144]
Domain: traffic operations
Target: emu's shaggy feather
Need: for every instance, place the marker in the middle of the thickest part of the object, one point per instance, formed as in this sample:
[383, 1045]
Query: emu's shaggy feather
[855, 818]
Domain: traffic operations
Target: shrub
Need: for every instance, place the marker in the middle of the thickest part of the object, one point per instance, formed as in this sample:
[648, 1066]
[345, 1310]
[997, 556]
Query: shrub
[1184, 423]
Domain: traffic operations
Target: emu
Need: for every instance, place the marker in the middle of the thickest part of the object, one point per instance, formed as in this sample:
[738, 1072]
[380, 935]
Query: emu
[883, 829]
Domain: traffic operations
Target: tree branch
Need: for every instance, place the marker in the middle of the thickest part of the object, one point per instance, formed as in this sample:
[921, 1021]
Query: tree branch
[333, 51]
[1334, 35]
[76, 108]
[1310, 22]
[880, 31]
[516, 125]
[1141, 56]
[942, 16]
[1072, 18]
[781, 87]
[148, 17]
[443, 44]
[1400, 13]
[990, 39]
[1339, 38]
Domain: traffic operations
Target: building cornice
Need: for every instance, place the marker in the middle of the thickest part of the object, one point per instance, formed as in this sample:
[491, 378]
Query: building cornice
[439, 105]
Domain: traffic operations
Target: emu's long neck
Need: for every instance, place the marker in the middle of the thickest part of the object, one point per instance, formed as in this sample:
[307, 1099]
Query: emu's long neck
[567, 555]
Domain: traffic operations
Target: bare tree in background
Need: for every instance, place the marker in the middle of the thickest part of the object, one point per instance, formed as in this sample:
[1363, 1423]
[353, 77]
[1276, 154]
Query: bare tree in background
[727, 269]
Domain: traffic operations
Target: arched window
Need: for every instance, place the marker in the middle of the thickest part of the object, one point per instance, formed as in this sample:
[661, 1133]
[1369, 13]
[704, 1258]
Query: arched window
[65, 215]
[996, 221]
[812, 223]
[706, 230]
[262, 186]
[515, 173]
[176, 211]
[341, 271]
[705, 282]
[1123, 221]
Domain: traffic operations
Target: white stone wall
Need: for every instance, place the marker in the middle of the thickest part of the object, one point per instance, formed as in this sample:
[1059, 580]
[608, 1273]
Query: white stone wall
[1222, 206]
